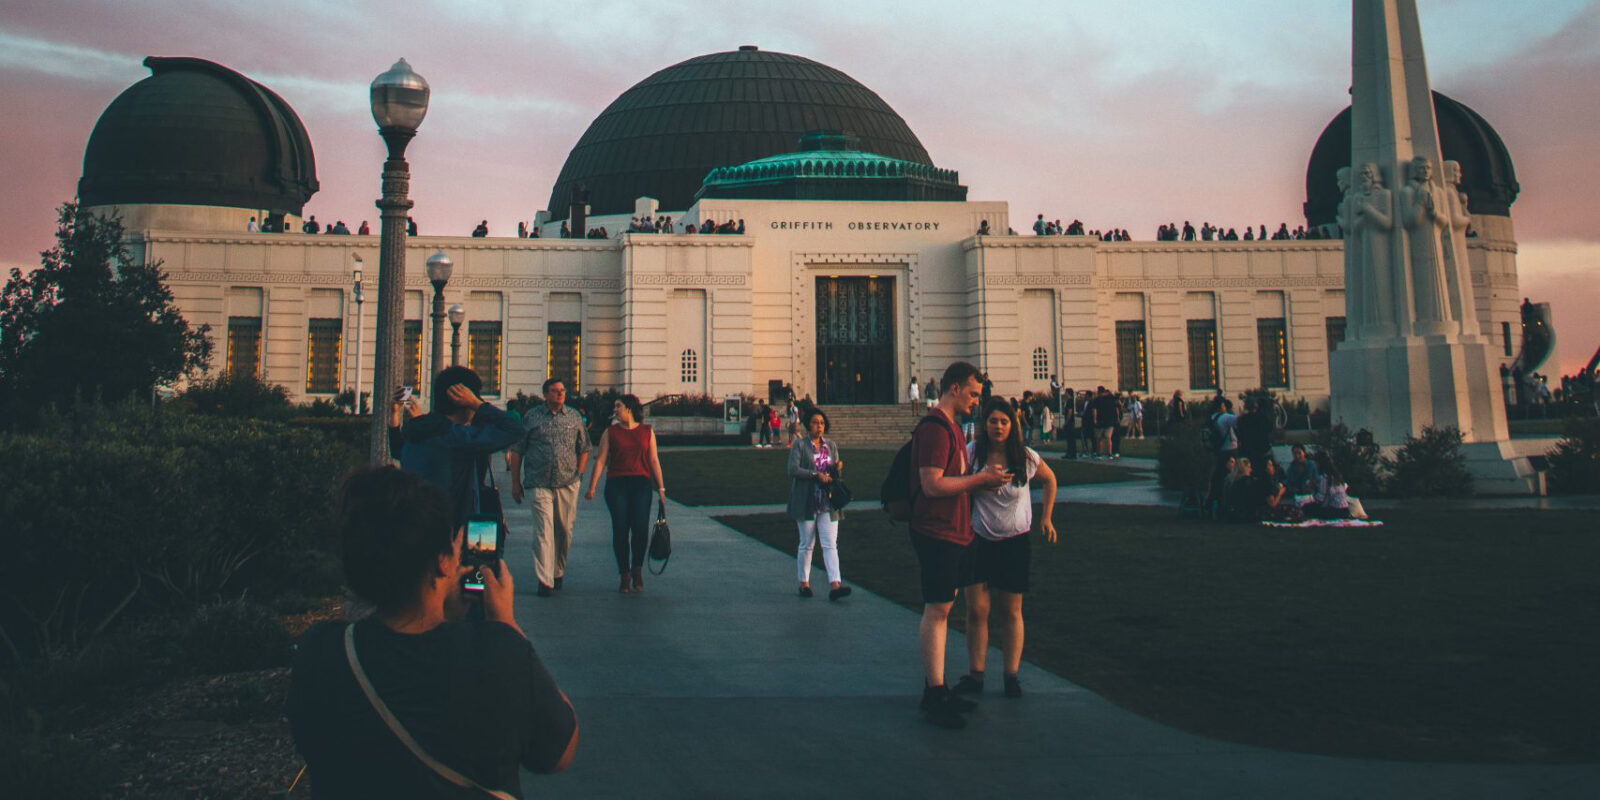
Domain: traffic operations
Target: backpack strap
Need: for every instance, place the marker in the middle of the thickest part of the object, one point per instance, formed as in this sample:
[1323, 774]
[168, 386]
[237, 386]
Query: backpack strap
[400, 731]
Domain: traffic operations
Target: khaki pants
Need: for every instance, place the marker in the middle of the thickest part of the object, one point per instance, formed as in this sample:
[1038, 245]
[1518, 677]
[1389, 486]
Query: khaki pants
[554, 511]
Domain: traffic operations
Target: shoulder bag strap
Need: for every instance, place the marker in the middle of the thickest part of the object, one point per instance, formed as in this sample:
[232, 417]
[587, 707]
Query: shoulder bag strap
[400, 731]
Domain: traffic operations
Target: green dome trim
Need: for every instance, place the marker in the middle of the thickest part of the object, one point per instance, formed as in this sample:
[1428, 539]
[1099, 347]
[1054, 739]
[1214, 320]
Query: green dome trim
[829, 167]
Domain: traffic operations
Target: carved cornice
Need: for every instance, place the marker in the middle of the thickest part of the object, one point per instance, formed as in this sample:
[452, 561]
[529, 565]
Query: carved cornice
[1082, 242]
[687, 240]
[700, 279]
[1075, 279]
[1258, 282]
[353, 241]
[335, 279]
[816, 260]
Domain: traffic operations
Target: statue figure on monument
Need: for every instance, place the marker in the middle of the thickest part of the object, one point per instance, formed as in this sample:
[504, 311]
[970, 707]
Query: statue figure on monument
[1459, 266]
[1354, 276]
[1425, 212]
[1369, 209]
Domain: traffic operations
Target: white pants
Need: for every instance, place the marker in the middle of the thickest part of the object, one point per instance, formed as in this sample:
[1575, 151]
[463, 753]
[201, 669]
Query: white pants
[826, 528]
[554, 512]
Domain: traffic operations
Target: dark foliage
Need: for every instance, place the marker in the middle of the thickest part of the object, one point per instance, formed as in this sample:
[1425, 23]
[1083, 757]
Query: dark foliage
[234, 636]
[225, 396]
[91, 322]
[1356, 457]
[1429, 465]
[1575, 462]
[153, 510]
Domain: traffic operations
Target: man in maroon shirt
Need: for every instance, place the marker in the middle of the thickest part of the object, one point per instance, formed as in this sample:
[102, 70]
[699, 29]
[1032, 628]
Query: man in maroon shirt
[941, 528]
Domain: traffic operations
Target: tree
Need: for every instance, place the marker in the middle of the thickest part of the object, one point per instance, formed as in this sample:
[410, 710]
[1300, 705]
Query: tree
[90, 322]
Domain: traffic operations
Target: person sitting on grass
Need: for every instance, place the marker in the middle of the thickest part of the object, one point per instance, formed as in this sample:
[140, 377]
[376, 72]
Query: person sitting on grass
[416, 701]
[1217, 491]
[1278, 505]
[1245, 495]
[1001, 520]
[1300, 478]
[1331, 500]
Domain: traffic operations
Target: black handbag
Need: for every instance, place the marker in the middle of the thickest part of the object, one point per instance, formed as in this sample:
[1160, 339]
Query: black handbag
[660, 542]
[839, 494]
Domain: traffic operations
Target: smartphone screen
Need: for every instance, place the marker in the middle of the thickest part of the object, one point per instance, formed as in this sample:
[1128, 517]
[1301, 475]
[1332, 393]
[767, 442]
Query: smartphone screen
[481, 547]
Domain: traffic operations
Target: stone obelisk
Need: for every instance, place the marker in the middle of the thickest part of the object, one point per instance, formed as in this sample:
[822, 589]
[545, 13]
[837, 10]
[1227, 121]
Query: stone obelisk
[1414, 354]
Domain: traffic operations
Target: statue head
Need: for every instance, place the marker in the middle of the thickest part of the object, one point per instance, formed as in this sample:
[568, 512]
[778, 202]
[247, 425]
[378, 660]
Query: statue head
[1343, 177]
[1422, 169]
[1452, 173]
[1371, 177]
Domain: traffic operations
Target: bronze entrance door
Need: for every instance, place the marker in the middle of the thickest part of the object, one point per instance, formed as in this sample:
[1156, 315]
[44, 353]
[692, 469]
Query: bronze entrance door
[855, 341]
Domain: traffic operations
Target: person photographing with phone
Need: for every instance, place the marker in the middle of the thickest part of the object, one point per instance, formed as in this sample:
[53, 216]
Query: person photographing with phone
[415, 700]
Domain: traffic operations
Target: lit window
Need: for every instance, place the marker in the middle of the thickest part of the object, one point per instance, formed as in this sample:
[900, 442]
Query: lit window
[325, 338]
[1132, 361]
[1202, 354]
[1272, 339]
[244, 348]
[483, 354]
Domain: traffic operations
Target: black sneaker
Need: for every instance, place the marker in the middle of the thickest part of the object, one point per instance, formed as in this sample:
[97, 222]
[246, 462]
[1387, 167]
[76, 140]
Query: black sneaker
[937, 709]
[557, 584]
[1013, 686]
[543, 591]
[968, 685]
[835, 594]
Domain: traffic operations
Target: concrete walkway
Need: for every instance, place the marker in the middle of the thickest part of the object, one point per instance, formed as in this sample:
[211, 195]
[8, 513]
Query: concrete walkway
[718, 682]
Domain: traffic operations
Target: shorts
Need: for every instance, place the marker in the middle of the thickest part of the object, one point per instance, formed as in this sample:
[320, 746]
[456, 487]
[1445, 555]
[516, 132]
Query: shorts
[946, 567]
[1003, 563]
[1104, 432]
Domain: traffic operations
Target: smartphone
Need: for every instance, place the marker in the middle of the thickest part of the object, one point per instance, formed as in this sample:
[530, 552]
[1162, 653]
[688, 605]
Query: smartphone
[405, 394]
[480, 549]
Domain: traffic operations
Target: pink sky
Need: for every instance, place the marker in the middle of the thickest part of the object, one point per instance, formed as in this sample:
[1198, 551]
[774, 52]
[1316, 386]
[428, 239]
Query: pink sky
[1124, 115]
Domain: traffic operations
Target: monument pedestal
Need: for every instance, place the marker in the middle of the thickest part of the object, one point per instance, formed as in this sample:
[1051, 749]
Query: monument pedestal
[1395, 387]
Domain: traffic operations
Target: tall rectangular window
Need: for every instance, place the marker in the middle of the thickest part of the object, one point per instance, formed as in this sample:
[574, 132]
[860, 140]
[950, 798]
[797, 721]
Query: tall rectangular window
[1202, 354]
[325, 340]
[1505, 333]
[1272, 339]
[413, 347]
[1132, 361]
[483, 353]
[563, 353]
[1335, 333]
[244, 348]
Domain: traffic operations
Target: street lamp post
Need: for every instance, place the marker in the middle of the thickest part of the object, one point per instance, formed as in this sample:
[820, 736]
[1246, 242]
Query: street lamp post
[399, 102]
[457, 316]
[439, 268]
[357, 295]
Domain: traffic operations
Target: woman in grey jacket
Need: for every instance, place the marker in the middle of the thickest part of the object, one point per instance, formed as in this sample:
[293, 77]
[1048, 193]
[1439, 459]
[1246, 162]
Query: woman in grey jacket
[814, 462]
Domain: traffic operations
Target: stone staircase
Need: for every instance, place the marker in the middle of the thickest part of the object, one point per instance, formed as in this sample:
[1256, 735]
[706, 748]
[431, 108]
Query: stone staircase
[886, 427]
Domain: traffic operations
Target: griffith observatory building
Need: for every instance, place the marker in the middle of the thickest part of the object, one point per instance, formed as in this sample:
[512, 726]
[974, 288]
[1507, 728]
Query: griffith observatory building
[861, 265]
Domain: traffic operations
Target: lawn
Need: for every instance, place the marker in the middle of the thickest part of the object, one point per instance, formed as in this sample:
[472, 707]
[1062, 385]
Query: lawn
[742, 476]
[1451, 636]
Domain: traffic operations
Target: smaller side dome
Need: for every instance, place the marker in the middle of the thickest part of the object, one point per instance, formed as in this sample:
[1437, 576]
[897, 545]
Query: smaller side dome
[1487, 174]
[198, 133]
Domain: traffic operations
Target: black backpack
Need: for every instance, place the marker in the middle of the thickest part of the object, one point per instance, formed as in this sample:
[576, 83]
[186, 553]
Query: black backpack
[1210, 435]
[897, 493]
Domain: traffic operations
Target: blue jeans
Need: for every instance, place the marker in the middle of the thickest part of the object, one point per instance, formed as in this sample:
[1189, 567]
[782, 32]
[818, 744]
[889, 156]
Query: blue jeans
[628, 498]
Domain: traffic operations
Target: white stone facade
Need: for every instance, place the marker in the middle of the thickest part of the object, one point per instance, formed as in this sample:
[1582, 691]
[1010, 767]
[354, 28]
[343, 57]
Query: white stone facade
[724, 314]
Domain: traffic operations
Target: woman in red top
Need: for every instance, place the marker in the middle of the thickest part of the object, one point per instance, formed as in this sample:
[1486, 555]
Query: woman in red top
[632, 468]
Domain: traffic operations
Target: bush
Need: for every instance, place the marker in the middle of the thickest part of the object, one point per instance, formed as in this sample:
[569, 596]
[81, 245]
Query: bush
[1356, 457]
[1429, 465]
[1184, 463]
[1575, 462]
[689, 405]
[152, 509]
[235, 636]
[224, 396]
[53, 766]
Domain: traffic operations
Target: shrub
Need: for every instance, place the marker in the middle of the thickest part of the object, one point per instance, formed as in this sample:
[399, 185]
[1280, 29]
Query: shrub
[224, 396]
[152, 509]
[56, 765]
[1355, 455]
[1184, 463]
[235, 636]
[1429, 465]
[1575, 461]
[687, 405]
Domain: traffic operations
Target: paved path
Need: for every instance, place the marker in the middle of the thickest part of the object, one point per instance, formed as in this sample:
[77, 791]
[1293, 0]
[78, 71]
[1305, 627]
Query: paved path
[718, 682]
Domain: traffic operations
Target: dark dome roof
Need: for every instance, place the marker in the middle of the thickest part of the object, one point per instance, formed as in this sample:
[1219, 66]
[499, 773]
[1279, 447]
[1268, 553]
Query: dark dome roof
[198, 133]
[660, 138]
[1487, 174]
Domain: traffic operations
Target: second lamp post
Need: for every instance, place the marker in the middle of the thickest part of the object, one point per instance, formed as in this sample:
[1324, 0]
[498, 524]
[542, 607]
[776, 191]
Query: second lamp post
[439, 268]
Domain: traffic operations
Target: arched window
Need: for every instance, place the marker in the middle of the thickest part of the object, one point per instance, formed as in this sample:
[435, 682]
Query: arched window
[691, 366]
[1041, 364]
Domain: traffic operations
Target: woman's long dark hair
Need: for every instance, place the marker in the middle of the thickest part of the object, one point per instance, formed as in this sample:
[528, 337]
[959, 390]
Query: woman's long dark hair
[1016, 454]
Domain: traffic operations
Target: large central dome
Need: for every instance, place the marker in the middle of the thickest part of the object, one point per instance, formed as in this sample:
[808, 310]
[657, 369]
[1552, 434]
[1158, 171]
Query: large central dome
[661, 137]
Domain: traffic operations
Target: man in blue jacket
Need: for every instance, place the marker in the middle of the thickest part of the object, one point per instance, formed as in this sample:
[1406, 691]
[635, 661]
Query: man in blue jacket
[450, 446]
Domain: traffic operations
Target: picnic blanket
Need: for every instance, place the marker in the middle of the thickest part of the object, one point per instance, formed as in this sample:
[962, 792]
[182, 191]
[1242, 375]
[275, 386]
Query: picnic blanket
[1327, 523]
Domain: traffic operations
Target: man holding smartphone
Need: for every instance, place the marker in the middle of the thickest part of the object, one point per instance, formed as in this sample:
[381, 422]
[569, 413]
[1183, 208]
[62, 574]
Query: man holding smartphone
[450, 446]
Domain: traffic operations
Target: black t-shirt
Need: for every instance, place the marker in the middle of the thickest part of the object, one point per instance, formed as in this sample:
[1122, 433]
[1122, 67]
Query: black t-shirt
[473, 695]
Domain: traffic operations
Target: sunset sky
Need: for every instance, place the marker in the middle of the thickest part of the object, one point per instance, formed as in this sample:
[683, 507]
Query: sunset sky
[1122, 114]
